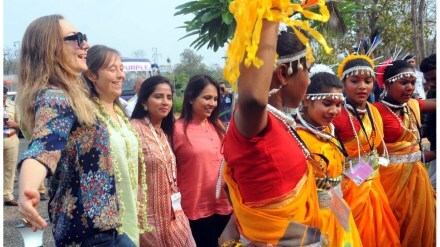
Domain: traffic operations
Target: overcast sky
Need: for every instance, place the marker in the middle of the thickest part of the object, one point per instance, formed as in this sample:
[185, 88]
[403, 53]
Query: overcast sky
[126, 25]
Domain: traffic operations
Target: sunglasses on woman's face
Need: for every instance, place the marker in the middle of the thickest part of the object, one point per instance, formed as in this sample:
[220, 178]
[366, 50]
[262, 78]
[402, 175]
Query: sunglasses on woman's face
[79, 37]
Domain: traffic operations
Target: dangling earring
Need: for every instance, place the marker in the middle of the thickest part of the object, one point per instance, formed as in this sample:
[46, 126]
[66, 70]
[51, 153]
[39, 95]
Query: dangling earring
[290, 70]
[145, 107]
[384, 93]
[300, 108]
[300, 66]
[274, 90]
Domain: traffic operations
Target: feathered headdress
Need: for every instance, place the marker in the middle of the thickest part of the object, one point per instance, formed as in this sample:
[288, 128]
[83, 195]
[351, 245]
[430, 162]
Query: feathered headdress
[342, 71]
[383, 66]
[318, 68]
[381, 71]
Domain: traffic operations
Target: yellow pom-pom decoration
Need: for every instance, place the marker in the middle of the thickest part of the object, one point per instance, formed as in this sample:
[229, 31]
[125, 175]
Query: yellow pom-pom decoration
[352, 57]
[249, 15]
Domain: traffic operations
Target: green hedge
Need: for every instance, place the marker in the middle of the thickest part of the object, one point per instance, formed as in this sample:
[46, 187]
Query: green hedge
[178, 103]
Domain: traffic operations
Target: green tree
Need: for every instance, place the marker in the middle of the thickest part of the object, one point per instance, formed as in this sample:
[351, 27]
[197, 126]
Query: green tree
[190, 63]
[405, 24]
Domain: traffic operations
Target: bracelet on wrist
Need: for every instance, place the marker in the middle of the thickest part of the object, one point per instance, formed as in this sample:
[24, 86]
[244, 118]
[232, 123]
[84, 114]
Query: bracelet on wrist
[232, 243]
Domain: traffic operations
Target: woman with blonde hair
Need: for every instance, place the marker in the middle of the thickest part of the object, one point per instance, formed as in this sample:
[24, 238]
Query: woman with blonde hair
[68, 144]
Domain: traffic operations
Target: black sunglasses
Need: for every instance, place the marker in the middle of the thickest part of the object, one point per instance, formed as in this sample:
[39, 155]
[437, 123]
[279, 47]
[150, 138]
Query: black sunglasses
[79, 37]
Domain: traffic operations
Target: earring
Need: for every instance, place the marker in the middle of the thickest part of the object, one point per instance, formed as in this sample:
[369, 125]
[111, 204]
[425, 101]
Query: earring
[383, 94]
[274, 90]
[300, 66]
[145, 108]
[290, 70]
[300, 108]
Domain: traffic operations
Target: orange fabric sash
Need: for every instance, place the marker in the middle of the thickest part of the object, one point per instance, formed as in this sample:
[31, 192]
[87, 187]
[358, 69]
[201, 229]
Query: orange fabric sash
[409, 191]
[368, 202]
[291, 222]
[352, 147]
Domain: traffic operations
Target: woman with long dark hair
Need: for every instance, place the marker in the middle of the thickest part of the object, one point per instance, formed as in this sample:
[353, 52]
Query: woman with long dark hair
[153, 120]
[198, 138]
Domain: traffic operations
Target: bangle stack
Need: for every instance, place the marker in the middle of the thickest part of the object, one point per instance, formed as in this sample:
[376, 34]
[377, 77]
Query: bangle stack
[232, 243]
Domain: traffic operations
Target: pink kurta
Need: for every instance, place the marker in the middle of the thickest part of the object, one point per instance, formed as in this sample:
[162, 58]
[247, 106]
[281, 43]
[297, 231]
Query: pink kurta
[198, 162]
[170, 229]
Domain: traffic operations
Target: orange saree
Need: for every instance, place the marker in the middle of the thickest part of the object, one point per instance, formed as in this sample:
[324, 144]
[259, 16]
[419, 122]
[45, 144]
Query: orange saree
[290, 221]
[368, 202]
[406, 182]
[332, 231]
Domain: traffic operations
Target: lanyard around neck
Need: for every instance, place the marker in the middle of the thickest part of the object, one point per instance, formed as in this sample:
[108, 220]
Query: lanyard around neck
[358, 117]
[171, 179]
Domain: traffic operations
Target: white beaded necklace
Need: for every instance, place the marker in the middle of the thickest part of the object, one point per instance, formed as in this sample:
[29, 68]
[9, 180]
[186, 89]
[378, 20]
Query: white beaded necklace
[392, 105]
[411, 128]
[350, 117]
[316, 131]
[348, 106]
[282, 116]
[286, 121]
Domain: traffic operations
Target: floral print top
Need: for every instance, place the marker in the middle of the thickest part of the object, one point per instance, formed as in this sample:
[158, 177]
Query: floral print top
[82, 191]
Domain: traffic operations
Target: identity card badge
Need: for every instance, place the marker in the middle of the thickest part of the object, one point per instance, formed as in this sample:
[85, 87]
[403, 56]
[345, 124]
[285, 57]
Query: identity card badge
[175, 201]
[359, 172]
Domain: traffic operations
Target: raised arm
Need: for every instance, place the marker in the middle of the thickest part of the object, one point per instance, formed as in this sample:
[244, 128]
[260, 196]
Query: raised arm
[253, 85]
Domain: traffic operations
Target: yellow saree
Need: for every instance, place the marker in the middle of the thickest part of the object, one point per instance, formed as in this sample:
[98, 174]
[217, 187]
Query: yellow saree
[289, 222]
[407, 185]
[368, 202]
[332, 231]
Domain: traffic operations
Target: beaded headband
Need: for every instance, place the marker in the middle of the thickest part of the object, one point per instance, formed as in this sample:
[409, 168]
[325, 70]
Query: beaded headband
[320, 96]
[292, 58]
[400, 76]
[355, 71]
[342, 72]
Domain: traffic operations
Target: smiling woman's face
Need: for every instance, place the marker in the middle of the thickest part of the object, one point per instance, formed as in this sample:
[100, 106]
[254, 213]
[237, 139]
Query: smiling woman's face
[204, 104]
[108, 83]
[74, 55]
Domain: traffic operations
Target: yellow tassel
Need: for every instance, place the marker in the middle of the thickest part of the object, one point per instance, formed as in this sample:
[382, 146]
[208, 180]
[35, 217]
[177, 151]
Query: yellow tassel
[249, 15]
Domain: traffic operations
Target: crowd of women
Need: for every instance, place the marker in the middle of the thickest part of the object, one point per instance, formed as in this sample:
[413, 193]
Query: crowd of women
[342, 172]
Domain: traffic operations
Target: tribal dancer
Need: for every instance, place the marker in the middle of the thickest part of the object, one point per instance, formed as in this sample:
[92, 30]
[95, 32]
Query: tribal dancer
[322, 104]
[360, 129]
[405, 180]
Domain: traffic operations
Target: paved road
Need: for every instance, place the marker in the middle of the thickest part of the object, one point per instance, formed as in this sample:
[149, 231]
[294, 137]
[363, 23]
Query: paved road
[11, 218]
